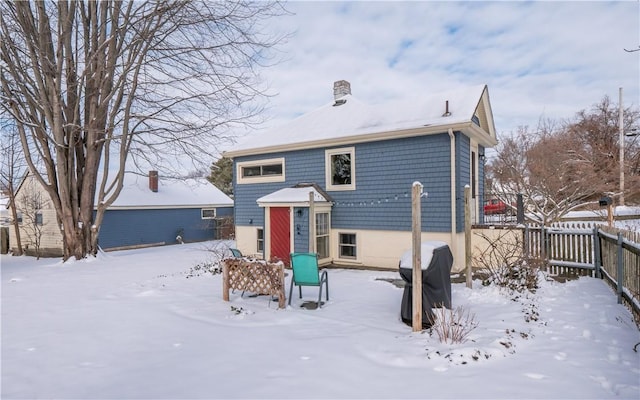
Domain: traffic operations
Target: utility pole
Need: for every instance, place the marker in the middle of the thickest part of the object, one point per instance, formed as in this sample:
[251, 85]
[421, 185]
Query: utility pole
[621, 142]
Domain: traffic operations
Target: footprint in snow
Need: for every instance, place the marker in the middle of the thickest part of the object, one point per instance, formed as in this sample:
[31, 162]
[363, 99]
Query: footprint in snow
[533, 375]
[440, 369]
[560, 356]
[603, 381]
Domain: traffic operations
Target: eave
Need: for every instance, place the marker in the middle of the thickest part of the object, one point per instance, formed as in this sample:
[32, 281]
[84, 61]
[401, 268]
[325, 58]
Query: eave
[467, 127]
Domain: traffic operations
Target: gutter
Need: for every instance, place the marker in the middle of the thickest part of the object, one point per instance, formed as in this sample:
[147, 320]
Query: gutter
[452, 137]
[466, 126]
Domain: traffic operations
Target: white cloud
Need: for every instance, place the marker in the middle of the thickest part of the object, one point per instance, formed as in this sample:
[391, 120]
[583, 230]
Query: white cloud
[549, 59]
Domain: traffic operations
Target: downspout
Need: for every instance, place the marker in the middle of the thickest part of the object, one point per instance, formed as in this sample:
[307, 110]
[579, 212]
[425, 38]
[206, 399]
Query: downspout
[454, 245]
[312, 224]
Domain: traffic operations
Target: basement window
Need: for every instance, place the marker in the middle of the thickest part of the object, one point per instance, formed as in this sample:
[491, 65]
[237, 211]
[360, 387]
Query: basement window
[347, 246]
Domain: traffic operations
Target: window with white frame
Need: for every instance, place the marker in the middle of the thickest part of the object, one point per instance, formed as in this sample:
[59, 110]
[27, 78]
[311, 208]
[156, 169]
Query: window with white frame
[39, 218]
[322, 235]
[208, 213]
[347, 247]
[260, 240]
[260, 171]
[340, 166]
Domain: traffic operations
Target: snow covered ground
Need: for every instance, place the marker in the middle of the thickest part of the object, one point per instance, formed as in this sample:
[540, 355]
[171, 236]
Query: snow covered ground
[143, 325]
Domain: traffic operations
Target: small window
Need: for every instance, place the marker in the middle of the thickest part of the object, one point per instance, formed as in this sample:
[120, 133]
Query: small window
[39, 219]
[322, 235]
[208, 213]
[261, 171]
[347, 245]
[260, 241]
[340, 169]
[19, 217]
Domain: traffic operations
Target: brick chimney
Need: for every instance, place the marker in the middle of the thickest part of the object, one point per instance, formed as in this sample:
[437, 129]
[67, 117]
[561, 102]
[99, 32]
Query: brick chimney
[153, 181]
[341, 89]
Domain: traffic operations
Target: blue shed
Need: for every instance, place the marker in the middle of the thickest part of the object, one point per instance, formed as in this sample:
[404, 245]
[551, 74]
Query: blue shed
[154, 210]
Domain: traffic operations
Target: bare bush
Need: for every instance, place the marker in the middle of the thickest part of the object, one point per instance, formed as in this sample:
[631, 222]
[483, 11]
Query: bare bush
[505, 263]
[452, 325]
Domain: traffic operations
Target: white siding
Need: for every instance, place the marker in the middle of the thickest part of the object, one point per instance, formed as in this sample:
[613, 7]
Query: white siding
[50, 235]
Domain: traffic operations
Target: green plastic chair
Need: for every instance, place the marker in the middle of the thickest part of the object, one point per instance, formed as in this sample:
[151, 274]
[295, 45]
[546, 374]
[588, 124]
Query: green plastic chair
[306, 273]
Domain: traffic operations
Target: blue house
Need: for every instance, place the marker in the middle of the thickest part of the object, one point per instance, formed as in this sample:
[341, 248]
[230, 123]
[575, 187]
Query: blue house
[153, 211]
[337, 180]
[149, 211]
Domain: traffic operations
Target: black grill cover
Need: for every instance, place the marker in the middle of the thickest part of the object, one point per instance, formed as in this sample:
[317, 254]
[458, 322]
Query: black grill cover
[436, 287]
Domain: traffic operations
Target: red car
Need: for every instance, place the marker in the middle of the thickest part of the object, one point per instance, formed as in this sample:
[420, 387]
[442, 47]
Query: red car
[495, 206]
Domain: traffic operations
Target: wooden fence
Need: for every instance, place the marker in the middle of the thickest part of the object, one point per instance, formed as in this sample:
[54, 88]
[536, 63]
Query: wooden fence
[596, 251]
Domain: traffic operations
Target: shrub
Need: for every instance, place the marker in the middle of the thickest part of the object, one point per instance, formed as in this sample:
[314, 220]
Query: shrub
[452, 326]
[506, 265]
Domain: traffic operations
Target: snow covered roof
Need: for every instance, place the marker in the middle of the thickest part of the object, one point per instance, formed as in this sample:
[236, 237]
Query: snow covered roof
[354, 121]
[297, 194]
[172, 193]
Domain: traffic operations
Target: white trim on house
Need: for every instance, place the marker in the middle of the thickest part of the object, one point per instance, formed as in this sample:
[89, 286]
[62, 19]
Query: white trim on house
[243, 180]
[168, 207]
[328, 168]
[292, 196]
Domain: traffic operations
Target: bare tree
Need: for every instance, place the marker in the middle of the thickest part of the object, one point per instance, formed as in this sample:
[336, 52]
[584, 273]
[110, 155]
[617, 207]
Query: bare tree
[562, 167]
[542, 167]
[12, 168]
[596, 134]
[94, 87]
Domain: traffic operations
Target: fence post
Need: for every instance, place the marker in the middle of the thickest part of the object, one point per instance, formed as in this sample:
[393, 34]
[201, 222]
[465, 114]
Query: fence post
[620, 265]
[526, 241]
[416, 277]
[597, 256]
[519, 209]
[545, 244]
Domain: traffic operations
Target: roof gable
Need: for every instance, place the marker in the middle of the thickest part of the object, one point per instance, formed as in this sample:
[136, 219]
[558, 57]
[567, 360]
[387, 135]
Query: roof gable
[298, 194]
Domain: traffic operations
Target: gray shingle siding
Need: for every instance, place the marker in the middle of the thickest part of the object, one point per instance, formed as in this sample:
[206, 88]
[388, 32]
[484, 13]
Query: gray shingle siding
[463, 176]
[301, 230]
[385, 172]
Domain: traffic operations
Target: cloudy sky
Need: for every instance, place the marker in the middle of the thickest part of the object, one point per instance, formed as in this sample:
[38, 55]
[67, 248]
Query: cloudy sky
[539, 59]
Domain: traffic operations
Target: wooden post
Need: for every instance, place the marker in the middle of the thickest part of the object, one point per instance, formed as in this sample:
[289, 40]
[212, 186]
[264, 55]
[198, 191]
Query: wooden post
[225, 281]
[597, 260]
[610, 214]
[416, 229]
[620, 268]
[467, 234]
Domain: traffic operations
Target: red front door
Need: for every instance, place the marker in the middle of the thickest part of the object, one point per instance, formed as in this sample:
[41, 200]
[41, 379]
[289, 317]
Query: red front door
[280, 233]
